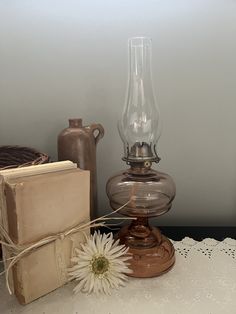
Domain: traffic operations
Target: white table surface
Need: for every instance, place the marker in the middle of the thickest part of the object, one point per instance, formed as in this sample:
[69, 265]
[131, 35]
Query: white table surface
[203, 281]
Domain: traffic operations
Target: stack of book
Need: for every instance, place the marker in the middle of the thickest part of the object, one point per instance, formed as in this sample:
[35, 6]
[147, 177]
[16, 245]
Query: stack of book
[37, 202]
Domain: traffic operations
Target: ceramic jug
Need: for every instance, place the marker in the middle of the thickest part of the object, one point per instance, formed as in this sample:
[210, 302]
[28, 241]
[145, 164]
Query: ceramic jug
[78, 144]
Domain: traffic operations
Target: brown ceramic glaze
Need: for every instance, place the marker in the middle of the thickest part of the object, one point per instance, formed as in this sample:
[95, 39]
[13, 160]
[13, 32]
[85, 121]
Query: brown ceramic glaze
[78, 144]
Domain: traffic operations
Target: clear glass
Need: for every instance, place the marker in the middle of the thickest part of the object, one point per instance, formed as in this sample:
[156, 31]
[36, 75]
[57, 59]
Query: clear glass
[139, 126]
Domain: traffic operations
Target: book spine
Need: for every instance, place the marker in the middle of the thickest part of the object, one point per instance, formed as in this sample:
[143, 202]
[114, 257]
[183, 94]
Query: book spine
[4, 221]
[10, 197]
[10, 194]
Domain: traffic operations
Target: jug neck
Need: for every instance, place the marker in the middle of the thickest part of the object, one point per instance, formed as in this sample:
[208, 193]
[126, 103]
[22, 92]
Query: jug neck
[75, 123]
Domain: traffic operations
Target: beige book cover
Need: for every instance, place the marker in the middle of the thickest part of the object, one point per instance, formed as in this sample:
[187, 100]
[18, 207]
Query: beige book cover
[31, 170]
[38, 206]
[22, 172]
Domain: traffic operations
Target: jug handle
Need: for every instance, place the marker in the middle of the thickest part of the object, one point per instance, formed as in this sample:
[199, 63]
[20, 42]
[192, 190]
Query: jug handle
[97, 127]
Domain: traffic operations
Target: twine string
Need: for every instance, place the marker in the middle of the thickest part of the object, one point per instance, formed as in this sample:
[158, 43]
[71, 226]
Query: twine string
[19, 251]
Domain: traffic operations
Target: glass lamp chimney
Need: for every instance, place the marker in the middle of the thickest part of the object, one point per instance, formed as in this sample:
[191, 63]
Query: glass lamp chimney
[139, 125]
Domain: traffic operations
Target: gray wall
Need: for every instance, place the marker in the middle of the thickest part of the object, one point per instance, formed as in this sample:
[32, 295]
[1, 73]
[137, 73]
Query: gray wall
[65, 58]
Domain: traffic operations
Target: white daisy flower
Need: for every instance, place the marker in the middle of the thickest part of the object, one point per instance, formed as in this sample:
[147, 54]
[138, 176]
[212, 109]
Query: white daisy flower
[100, 265]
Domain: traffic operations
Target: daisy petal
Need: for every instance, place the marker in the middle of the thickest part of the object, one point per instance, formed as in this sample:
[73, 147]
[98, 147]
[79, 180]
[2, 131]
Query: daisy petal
[100, 265]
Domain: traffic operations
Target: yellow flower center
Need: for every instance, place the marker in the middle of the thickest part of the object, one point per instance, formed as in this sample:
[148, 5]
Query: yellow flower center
[100, 265]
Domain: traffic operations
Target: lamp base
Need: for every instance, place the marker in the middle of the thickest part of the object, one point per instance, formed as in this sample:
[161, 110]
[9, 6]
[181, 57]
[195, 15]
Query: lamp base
[151, 261]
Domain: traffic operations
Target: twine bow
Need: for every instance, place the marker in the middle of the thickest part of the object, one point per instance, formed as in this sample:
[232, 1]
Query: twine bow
[19, 251]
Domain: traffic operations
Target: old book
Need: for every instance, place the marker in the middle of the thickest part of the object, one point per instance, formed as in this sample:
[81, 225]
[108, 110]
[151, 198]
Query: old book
[38, 206]
[20, 172]
[31, 170]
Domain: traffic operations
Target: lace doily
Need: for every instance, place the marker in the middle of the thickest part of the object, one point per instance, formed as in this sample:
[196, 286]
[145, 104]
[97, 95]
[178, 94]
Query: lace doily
[203, 281]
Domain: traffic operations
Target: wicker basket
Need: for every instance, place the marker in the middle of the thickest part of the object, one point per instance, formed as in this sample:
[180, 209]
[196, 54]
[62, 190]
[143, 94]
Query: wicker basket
[17, 156]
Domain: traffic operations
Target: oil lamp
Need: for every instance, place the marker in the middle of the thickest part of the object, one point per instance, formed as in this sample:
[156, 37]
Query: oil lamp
[149, 193]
